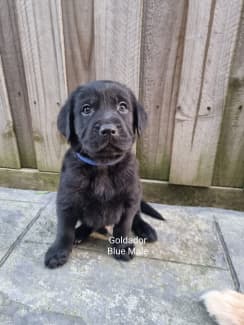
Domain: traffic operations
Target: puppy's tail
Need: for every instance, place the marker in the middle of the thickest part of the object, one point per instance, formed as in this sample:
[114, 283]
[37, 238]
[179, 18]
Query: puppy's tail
[227, 307]
[149, 210]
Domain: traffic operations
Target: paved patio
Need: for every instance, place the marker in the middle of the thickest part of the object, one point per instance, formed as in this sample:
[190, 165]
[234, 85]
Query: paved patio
[198, 249]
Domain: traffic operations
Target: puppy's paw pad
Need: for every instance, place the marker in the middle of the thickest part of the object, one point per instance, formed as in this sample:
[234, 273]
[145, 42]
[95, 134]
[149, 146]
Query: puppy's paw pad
[56, 257]
[124, 252]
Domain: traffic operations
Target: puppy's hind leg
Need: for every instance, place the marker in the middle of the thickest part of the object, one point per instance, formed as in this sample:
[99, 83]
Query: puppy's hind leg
[143, 230]
[82, 233]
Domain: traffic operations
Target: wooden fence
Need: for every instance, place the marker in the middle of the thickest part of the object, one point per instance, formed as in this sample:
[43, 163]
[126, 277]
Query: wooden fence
[183, 59]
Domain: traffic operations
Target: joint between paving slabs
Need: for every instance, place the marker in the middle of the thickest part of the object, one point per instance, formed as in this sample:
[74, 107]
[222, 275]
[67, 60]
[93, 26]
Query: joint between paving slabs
[23, 233]
[228, 259]
[6, 301]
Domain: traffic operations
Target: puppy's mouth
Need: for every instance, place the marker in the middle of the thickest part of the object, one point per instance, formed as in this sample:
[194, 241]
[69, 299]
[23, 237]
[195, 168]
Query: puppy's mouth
[106, 153]
[108, 146]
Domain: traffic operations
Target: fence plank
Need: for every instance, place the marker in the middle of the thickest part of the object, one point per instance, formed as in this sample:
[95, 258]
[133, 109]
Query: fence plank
[229, 165]
[79, 41]
[162, 44]
[40, 26]
[209, 43]
[15, 82]
[117, 40]
[9, 156]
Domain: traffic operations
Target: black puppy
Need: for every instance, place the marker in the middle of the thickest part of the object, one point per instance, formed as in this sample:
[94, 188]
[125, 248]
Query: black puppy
[99, 182]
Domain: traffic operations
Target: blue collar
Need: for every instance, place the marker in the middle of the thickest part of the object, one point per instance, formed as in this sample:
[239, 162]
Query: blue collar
[91, 162]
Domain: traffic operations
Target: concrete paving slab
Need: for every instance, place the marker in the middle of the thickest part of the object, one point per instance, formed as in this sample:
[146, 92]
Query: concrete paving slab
[183, 238]
[160, 288]
[214, 213]
[12, 194]
[101, 290]
[15, 313]
[231, 225]
[232, 229]
[187, 239]
[14, 218]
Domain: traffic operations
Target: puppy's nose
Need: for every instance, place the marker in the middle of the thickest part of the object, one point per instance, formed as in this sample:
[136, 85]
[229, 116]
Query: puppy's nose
[108, 129]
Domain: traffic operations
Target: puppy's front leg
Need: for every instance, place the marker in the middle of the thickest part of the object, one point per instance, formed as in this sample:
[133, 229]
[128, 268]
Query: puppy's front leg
[58, 253]
[122, 250]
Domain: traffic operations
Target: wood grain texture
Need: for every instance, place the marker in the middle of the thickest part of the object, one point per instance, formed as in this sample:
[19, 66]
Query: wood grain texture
[184, 59]
[162, 44]
[209, 44]
[40, 26]
[229, 164]
[117, 40]
[79, 41]
[15, 82]
[9, 156]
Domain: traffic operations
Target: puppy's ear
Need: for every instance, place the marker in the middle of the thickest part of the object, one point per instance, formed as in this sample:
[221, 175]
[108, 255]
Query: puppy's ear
[139, 117]
[65, 120]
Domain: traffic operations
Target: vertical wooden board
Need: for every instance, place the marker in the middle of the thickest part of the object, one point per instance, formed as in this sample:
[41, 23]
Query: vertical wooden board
[118, 40]
[40, 26]
[15, 81]
[209, 43]
[79, 41]
[162, 44]
[229, 165]
[9, 156]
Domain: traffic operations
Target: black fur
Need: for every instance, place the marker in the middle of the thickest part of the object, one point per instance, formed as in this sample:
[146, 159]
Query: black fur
[100, 120]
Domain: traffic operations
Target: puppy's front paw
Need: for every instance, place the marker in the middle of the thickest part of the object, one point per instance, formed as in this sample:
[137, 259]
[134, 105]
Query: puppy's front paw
[56, 256]
[123, 252]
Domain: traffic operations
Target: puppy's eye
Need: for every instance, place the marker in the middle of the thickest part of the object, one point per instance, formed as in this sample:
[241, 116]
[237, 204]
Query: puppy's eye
[122, 108]
[86, 110]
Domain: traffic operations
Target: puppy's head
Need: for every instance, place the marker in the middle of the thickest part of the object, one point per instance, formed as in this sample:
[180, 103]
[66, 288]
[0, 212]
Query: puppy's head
[101, 119]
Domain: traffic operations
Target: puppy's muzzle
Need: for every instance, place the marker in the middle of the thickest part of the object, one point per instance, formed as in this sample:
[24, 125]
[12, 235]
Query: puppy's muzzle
[108, 130]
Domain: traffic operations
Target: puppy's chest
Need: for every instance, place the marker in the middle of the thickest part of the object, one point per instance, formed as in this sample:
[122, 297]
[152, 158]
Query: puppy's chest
[105, 187]
[102, 201]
